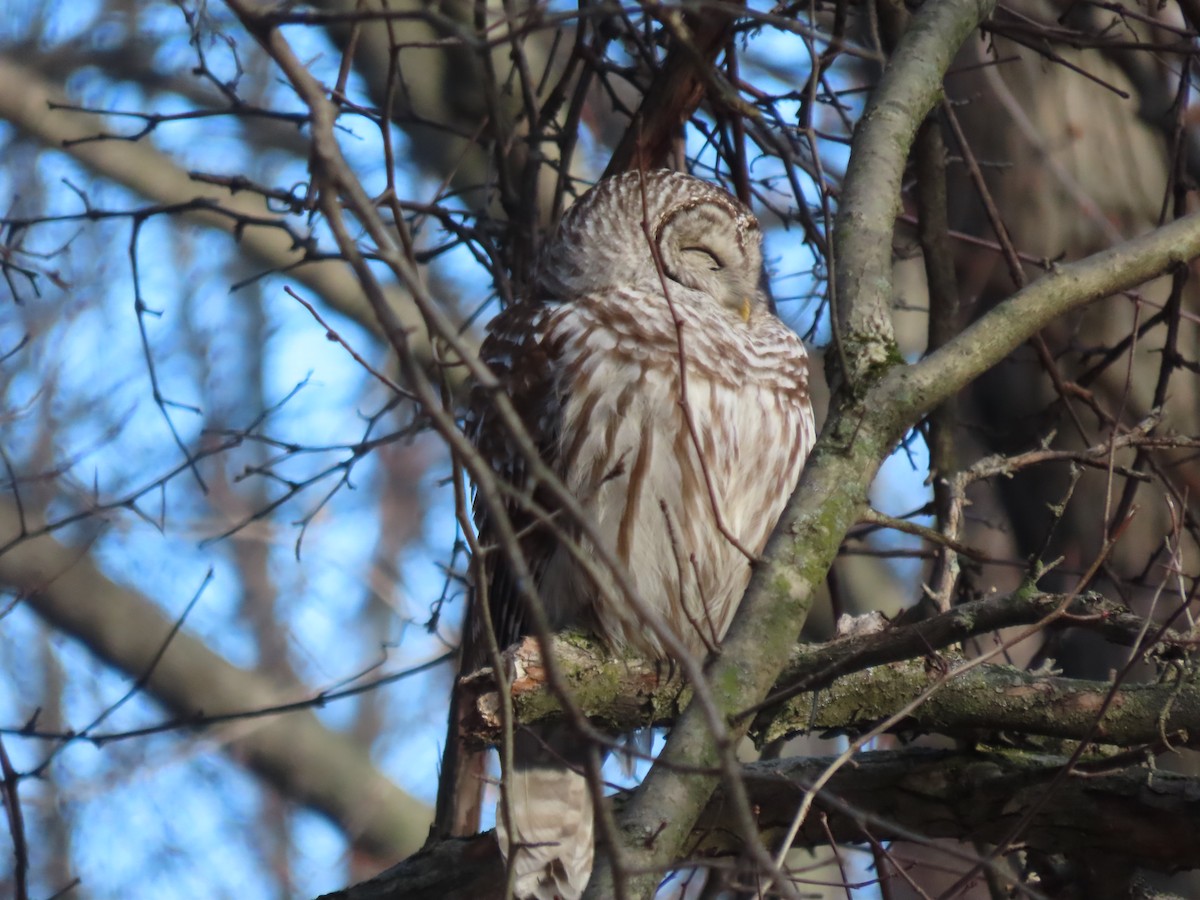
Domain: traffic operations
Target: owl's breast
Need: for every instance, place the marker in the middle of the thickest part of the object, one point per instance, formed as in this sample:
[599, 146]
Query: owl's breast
[679, 475]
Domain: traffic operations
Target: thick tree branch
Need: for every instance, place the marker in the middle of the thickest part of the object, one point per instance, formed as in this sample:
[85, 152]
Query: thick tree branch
[998, 699]
[916, 795]
[867, 210]
[849, 686]
[307, 762]
[919, 794]
[676, 91]
[923, 385]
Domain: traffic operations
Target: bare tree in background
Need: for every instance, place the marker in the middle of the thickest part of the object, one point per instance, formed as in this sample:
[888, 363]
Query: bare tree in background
[980, 211]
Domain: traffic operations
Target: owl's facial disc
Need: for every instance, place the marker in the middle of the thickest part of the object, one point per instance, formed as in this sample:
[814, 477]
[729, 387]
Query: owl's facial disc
[711, 249]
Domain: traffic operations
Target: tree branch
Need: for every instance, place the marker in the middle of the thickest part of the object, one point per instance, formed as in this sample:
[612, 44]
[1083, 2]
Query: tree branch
[908, 90]
[676, 91]
[308, 763]
[25, 101]
[942, 374]
[915, 795]
[849, 685]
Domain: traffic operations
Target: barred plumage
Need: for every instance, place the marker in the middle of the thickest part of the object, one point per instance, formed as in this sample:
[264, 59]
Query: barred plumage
[593, 364]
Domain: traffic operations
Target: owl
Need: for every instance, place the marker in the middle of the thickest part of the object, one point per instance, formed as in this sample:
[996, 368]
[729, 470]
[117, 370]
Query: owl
[660, 387]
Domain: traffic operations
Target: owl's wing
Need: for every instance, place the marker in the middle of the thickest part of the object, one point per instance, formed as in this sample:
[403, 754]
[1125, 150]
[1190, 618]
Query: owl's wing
[526, 363]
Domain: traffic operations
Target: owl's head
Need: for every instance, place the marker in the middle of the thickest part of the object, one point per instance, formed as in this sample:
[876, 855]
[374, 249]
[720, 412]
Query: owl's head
[707, 242]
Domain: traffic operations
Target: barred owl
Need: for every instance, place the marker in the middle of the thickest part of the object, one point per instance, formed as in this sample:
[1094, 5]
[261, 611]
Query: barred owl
[647, 308]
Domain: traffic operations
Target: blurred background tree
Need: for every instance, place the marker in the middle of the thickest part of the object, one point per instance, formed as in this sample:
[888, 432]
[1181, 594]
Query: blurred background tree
[230, 555]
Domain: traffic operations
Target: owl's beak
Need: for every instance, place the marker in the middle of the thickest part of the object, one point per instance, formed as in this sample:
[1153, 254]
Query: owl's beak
[745, 310]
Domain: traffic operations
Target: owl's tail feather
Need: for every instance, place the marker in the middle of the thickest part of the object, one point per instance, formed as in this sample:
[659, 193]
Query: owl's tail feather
[549, 841]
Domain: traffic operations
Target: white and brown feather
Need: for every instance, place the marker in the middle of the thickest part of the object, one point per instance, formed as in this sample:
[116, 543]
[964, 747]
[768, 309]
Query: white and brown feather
[593, 365]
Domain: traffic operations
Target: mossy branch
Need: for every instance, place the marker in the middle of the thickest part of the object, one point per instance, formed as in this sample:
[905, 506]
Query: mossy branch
[849, 684]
